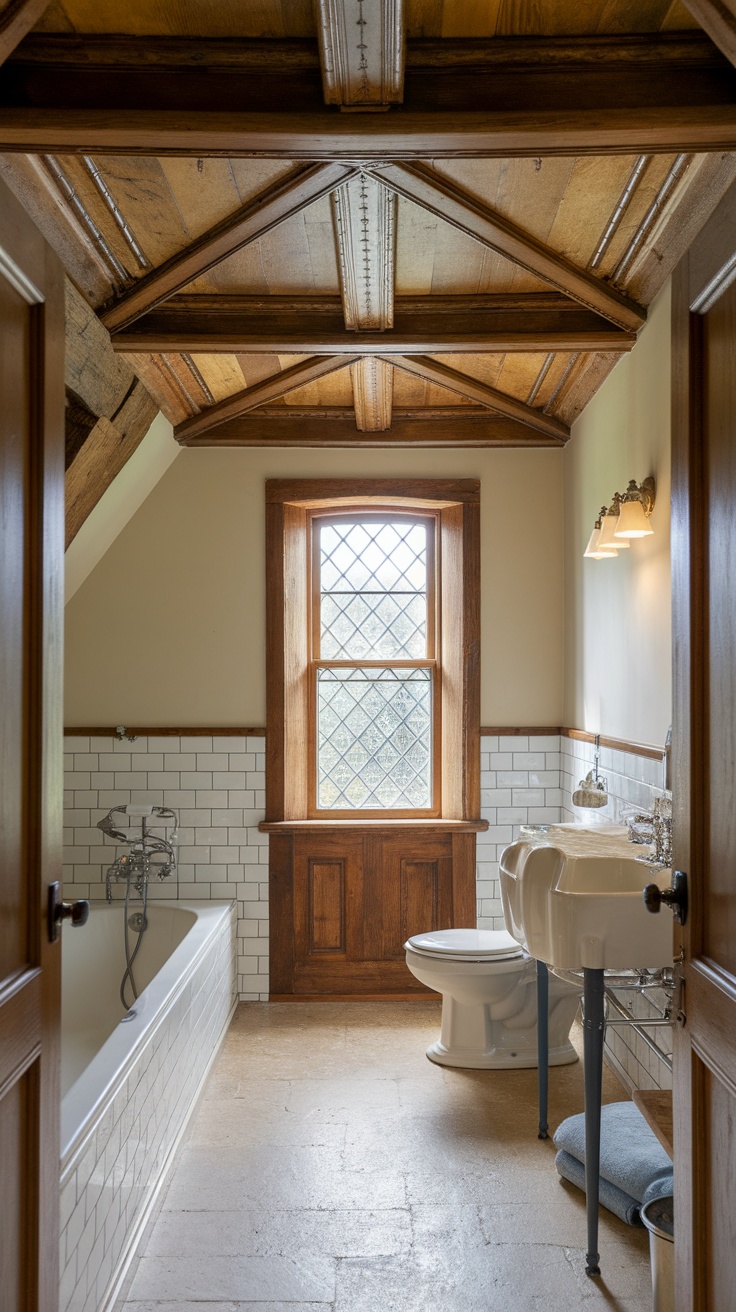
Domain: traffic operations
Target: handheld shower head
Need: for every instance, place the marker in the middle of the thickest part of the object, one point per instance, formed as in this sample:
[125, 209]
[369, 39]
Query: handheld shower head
[592, 791]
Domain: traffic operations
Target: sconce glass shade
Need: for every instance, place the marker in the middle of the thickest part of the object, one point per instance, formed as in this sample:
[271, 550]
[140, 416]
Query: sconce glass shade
[595, 550]
[632, 522]
[608, 539]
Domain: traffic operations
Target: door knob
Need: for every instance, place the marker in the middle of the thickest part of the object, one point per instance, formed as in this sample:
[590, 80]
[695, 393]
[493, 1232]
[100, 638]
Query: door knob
[675, 897]
[77, 912]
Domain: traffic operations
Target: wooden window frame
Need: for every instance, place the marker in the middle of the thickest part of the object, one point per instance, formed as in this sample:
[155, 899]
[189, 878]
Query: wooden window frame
[315, 520]
[291, 504]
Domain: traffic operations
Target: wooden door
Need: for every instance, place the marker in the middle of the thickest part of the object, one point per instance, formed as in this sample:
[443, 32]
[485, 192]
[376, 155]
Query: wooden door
[345, 899]
[31, 597]
[704, 596]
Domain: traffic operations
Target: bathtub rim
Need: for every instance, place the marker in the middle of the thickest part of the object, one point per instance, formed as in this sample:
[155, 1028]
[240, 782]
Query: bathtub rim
[86, 1102]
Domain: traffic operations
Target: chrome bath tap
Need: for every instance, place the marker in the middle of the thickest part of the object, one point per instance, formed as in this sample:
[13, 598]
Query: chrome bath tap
[147, 855]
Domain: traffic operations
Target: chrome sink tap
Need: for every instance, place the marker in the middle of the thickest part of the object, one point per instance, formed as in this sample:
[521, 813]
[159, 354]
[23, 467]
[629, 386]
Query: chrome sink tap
[654, 828]
[663, 831]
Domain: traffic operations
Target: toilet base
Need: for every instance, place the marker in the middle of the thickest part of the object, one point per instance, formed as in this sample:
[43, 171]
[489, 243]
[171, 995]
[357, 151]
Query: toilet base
[472, 1060]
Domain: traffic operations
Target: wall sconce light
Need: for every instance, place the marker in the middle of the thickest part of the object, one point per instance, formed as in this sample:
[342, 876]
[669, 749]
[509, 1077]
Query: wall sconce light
[610, 523]
[637, 504]
[626, 517]
[594, 548]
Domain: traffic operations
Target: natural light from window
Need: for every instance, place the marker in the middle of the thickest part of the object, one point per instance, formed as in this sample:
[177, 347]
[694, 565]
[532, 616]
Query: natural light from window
[374, 652]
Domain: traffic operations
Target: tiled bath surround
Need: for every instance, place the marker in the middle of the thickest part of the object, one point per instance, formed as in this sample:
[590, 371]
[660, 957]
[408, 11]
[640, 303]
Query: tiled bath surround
[111, 1173]
[217, 785]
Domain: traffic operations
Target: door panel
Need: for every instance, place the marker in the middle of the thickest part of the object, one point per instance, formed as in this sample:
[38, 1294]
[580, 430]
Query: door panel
[719, 361]
[14, 364]
[720, 1115]
[13, 1188]
[31, 598]
[704, 622]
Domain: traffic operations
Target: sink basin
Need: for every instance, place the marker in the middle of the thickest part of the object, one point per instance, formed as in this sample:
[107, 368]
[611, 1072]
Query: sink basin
[584, 912]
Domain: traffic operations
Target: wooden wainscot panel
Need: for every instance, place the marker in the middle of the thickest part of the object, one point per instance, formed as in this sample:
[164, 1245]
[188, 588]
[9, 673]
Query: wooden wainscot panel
[420, 886]
[346, 897]
[326, 892]
[327, 878]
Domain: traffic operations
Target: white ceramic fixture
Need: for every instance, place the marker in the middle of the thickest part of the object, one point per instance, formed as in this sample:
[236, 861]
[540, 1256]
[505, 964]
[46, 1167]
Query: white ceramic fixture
[489, 1000]
[583, 912]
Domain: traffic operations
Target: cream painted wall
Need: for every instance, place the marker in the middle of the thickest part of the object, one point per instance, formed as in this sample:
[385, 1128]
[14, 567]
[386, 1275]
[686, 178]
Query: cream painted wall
[120, 502]
[169, 628]
[618, 678]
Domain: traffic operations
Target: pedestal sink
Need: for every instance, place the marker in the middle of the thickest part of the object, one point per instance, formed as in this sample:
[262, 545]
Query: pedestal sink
[574, 900]
[579, 911]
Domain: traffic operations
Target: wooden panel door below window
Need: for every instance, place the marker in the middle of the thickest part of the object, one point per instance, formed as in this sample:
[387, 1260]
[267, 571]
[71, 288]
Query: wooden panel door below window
[343, 902]
[413, 890]
[31, 563]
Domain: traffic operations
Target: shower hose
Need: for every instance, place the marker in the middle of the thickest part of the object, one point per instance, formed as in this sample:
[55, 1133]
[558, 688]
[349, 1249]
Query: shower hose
[130, 957]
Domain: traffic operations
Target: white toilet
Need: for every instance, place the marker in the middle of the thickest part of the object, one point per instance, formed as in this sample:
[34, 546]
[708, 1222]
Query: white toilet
[489, 999]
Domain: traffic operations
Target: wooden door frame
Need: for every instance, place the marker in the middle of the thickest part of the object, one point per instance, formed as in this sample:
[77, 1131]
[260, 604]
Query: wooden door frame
[702, 276]
[30, 1001]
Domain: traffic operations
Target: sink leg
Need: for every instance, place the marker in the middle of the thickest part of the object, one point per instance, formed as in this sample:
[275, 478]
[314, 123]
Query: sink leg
[542, 1045]
[593, 1063]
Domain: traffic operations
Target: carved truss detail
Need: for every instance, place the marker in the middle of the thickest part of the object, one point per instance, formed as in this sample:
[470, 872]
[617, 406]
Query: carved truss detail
[373, 387]
[364, 218]
[364, 214]
[361, 45]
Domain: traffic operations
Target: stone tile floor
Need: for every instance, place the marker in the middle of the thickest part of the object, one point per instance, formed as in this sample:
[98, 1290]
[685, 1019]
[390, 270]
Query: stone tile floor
[330, 1167]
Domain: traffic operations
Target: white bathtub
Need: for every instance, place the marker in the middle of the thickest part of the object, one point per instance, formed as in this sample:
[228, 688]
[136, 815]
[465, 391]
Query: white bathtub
[130, 1080]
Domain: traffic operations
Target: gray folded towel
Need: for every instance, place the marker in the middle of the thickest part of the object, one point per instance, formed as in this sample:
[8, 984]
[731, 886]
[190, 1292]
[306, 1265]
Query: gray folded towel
[633, 1162]
[615, 1200]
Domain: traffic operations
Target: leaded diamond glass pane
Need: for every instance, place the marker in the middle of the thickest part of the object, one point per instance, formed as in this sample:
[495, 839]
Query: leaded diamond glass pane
[373, 586]
[375, 736]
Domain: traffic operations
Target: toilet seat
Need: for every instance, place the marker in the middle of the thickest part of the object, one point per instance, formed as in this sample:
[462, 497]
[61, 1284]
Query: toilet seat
[466, 945]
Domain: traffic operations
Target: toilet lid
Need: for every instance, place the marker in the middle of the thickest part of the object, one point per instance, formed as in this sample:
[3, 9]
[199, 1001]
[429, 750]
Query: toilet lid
[461, 944]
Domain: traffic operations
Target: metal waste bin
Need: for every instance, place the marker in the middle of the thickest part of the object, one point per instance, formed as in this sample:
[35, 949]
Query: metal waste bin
[658, 1217]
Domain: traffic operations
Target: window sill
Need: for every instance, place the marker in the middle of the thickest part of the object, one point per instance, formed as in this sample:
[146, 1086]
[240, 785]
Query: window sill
[443, 826]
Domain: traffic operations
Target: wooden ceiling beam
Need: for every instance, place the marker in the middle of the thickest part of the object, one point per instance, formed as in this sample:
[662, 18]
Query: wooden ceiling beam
[325, 428]
[67, 70]
[718, 19]
[16, 21]
[366, 71]
[293, 340]
[287, 197]
[589, 129]
[437, 324]
[269, 389]
[482, 394]
[440, 196]
[108, 414]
